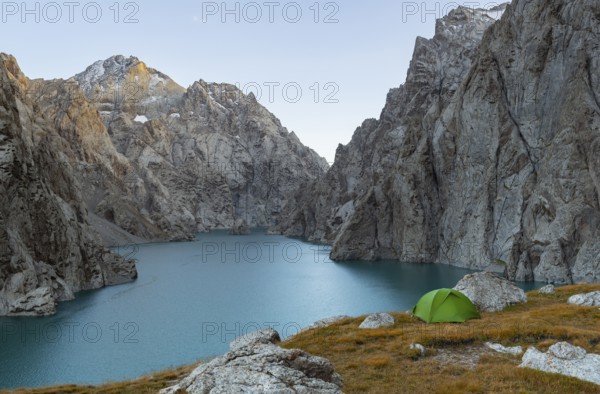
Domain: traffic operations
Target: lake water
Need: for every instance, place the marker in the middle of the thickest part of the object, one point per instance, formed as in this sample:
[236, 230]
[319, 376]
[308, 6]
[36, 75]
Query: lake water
[192, 298]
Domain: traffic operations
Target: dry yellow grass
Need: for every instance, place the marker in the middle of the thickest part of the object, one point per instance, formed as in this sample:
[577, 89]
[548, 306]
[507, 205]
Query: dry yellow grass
[144, 385]
[380, 361]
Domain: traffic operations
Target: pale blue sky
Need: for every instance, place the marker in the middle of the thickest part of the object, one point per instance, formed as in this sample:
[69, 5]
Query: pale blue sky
[364, 54]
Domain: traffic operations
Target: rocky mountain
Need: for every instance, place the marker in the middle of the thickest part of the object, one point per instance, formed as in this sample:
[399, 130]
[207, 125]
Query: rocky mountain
[121, 154]
[376, 200]
[199, 158]
[485, 158]
[48, 251]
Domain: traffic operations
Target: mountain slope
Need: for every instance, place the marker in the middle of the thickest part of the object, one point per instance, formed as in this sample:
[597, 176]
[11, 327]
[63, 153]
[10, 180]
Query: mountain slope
[199, 158]
[490, 166]
[378, 200]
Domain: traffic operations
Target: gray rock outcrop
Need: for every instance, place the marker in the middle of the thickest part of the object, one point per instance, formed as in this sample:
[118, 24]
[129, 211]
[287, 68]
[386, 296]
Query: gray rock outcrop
[257, 365]
[489, 292]
[565, 359]
[38, 302]
[327, 321]
[377, 320]
[48, 251]
[589, 299]
[486, 155]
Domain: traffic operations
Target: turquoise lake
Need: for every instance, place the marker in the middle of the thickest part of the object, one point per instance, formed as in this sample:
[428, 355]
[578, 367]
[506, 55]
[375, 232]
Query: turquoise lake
[191, 299]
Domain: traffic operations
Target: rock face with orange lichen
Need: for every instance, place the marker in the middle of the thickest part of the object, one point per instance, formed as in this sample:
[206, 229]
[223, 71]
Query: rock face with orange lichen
[48, 251]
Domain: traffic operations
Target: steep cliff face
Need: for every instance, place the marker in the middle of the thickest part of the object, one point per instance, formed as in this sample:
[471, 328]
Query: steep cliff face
[485, 158]
[379, 199]
[199, 158]
[47, 250]
[527, 124]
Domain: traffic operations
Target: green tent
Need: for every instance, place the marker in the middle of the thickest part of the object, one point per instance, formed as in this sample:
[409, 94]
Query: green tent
[445, 306]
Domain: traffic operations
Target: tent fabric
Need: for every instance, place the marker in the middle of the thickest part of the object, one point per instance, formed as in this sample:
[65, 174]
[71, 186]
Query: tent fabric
[445, 306]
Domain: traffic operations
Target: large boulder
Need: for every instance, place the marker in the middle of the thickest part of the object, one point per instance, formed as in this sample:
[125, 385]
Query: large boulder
[565, 359]
[256, 364]
[377, 320]
[589, 299]
[489, 292]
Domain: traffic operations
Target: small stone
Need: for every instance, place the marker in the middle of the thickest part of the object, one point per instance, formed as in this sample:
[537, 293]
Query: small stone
[514, 350]
[548, 289]
[377, 320]
[419, 347]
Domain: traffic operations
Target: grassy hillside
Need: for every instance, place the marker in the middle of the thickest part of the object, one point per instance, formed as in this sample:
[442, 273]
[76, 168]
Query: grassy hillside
[380, 361]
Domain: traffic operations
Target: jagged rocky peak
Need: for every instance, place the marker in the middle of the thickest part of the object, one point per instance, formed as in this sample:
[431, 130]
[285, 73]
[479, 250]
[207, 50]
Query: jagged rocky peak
[467, 21]
[119, 69]
[441, 62]
[221, 100]
[219, 96]
[126, 84]
[14, 73]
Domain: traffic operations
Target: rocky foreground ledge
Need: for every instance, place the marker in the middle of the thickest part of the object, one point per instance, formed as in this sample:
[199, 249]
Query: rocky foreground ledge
[255, 364]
